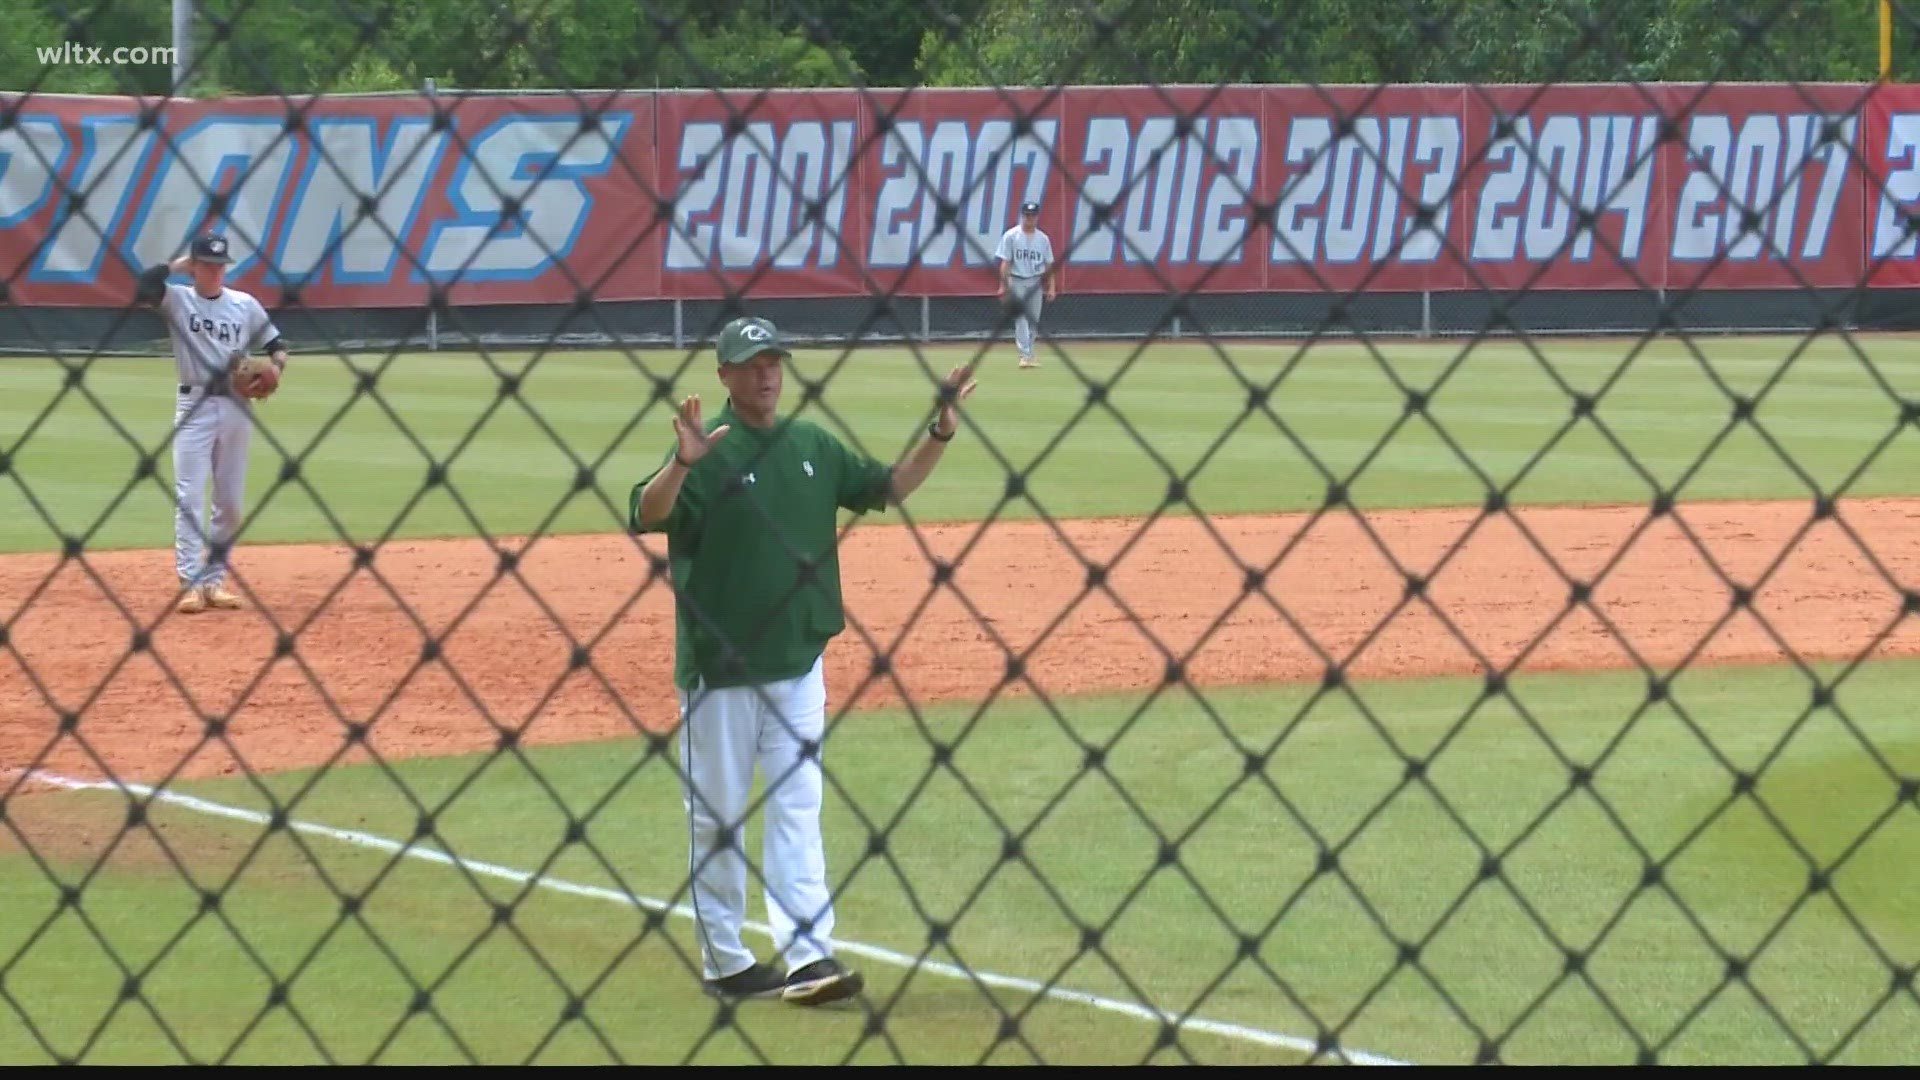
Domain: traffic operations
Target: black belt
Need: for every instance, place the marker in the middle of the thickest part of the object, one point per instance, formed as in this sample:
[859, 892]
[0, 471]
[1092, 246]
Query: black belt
[217, 386]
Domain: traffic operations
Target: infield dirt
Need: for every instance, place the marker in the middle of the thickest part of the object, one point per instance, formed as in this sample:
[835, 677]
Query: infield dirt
[1667, 594]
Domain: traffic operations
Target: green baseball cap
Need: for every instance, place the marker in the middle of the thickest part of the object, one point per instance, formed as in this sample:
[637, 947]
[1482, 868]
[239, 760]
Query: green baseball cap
[746, 337]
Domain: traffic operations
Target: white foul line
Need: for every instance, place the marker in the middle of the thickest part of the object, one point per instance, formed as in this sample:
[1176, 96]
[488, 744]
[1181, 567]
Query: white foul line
[1258, 1036]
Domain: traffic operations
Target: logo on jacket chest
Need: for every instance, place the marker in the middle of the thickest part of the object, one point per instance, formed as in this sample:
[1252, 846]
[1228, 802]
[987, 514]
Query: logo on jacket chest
[748, 478]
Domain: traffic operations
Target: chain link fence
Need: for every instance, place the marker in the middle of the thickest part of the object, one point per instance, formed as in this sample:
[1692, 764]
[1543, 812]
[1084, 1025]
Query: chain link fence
[1331, 590]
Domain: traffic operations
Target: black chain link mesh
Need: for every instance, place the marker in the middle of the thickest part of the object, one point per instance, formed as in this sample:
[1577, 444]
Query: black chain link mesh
[1327, 869]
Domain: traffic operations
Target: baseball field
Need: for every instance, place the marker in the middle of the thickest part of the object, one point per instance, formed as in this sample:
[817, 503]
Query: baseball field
[1414, 703]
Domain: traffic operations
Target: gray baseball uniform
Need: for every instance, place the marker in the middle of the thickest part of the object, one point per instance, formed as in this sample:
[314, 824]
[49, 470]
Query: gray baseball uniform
[1031, 256]
[212, 426]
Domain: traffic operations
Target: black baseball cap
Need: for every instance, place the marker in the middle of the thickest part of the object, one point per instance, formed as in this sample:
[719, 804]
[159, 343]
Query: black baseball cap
[210, 248]
[1030, 208]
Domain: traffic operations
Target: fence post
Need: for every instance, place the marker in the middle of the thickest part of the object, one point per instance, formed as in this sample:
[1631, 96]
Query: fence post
[679, 325]
[1426, 313]
[433, 310]
[926, 320]
[183, 12]
[1886, 40]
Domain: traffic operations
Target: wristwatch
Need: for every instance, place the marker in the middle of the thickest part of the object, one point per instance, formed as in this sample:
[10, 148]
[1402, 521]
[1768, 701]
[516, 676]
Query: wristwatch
[933, 432]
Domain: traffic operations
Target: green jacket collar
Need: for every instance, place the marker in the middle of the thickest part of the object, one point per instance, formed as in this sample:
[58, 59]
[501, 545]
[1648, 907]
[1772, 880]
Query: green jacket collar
[759, 435]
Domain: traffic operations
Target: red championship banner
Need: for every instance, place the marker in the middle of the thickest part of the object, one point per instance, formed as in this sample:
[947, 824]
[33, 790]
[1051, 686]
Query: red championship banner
[1145, 203]
[944, 176]
[1890, 160]
[1764, 187]
[545, 198]
[1366, 186]
[1567, 187]
[760, 188]
[504, 199]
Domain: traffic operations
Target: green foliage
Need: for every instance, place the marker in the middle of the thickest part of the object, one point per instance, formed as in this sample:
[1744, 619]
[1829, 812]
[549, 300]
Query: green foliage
[1372, 41]
[885, 36]
[749, 53]
[27, 26]
[1012, 44]
[268, 46]
[334, 46]
[368, 73]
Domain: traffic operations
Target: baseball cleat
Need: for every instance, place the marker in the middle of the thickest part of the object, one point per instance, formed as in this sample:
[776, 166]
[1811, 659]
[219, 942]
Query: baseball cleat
[221, 598]
[1025, 362]
[758, 981]
[822, 982]
[193, 603]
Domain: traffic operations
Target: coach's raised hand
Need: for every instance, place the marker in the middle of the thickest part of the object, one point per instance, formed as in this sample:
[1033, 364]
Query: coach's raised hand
[691, 443]
[958, 387]
[691, 431]
[913, 469]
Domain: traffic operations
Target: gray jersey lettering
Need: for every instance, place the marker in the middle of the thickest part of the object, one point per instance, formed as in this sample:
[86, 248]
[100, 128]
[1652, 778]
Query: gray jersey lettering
[208, 333]
[1030, 253]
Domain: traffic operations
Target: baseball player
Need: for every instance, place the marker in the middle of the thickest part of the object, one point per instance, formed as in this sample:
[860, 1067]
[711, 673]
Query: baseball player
[748, 501]
[1026, 263]
[211, 327]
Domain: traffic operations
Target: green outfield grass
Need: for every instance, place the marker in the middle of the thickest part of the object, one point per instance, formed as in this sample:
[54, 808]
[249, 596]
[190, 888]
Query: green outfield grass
[1344, 774]
[1827, 412]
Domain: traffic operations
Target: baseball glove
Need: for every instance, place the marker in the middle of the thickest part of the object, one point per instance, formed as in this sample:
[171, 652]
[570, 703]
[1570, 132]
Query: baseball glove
[255, 376]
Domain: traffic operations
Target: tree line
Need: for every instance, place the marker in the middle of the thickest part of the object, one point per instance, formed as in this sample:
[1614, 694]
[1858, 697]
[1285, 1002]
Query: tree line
[248, 47]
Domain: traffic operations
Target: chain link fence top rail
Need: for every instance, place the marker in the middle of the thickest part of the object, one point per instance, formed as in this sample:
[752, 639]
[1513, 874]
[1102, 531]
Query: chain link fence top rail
[1283, 647]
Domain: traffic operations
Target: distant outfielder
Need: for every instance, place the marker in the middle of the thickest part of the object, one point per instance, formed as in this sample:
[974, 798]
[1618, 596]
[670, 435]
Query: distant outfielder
[1026, 264]
[212, 328]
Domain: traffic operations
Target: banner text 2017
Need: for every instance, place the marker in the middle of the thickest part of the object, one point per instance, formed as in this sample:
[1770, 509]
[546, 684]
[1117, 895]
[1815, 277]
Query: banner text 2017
[376, 202]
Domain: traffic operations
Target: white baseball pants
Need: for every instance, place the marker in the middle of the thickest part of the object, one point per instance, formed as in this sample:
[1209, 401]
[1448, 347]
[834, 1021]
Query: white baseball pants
[1027, 294]
[723, 735]
[210, 438]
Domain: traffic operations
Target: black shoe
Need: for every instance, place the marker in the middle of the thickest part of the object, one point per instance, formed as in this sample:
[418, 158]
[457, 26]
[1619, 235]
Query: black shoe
[758, 981]
[822, 982]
